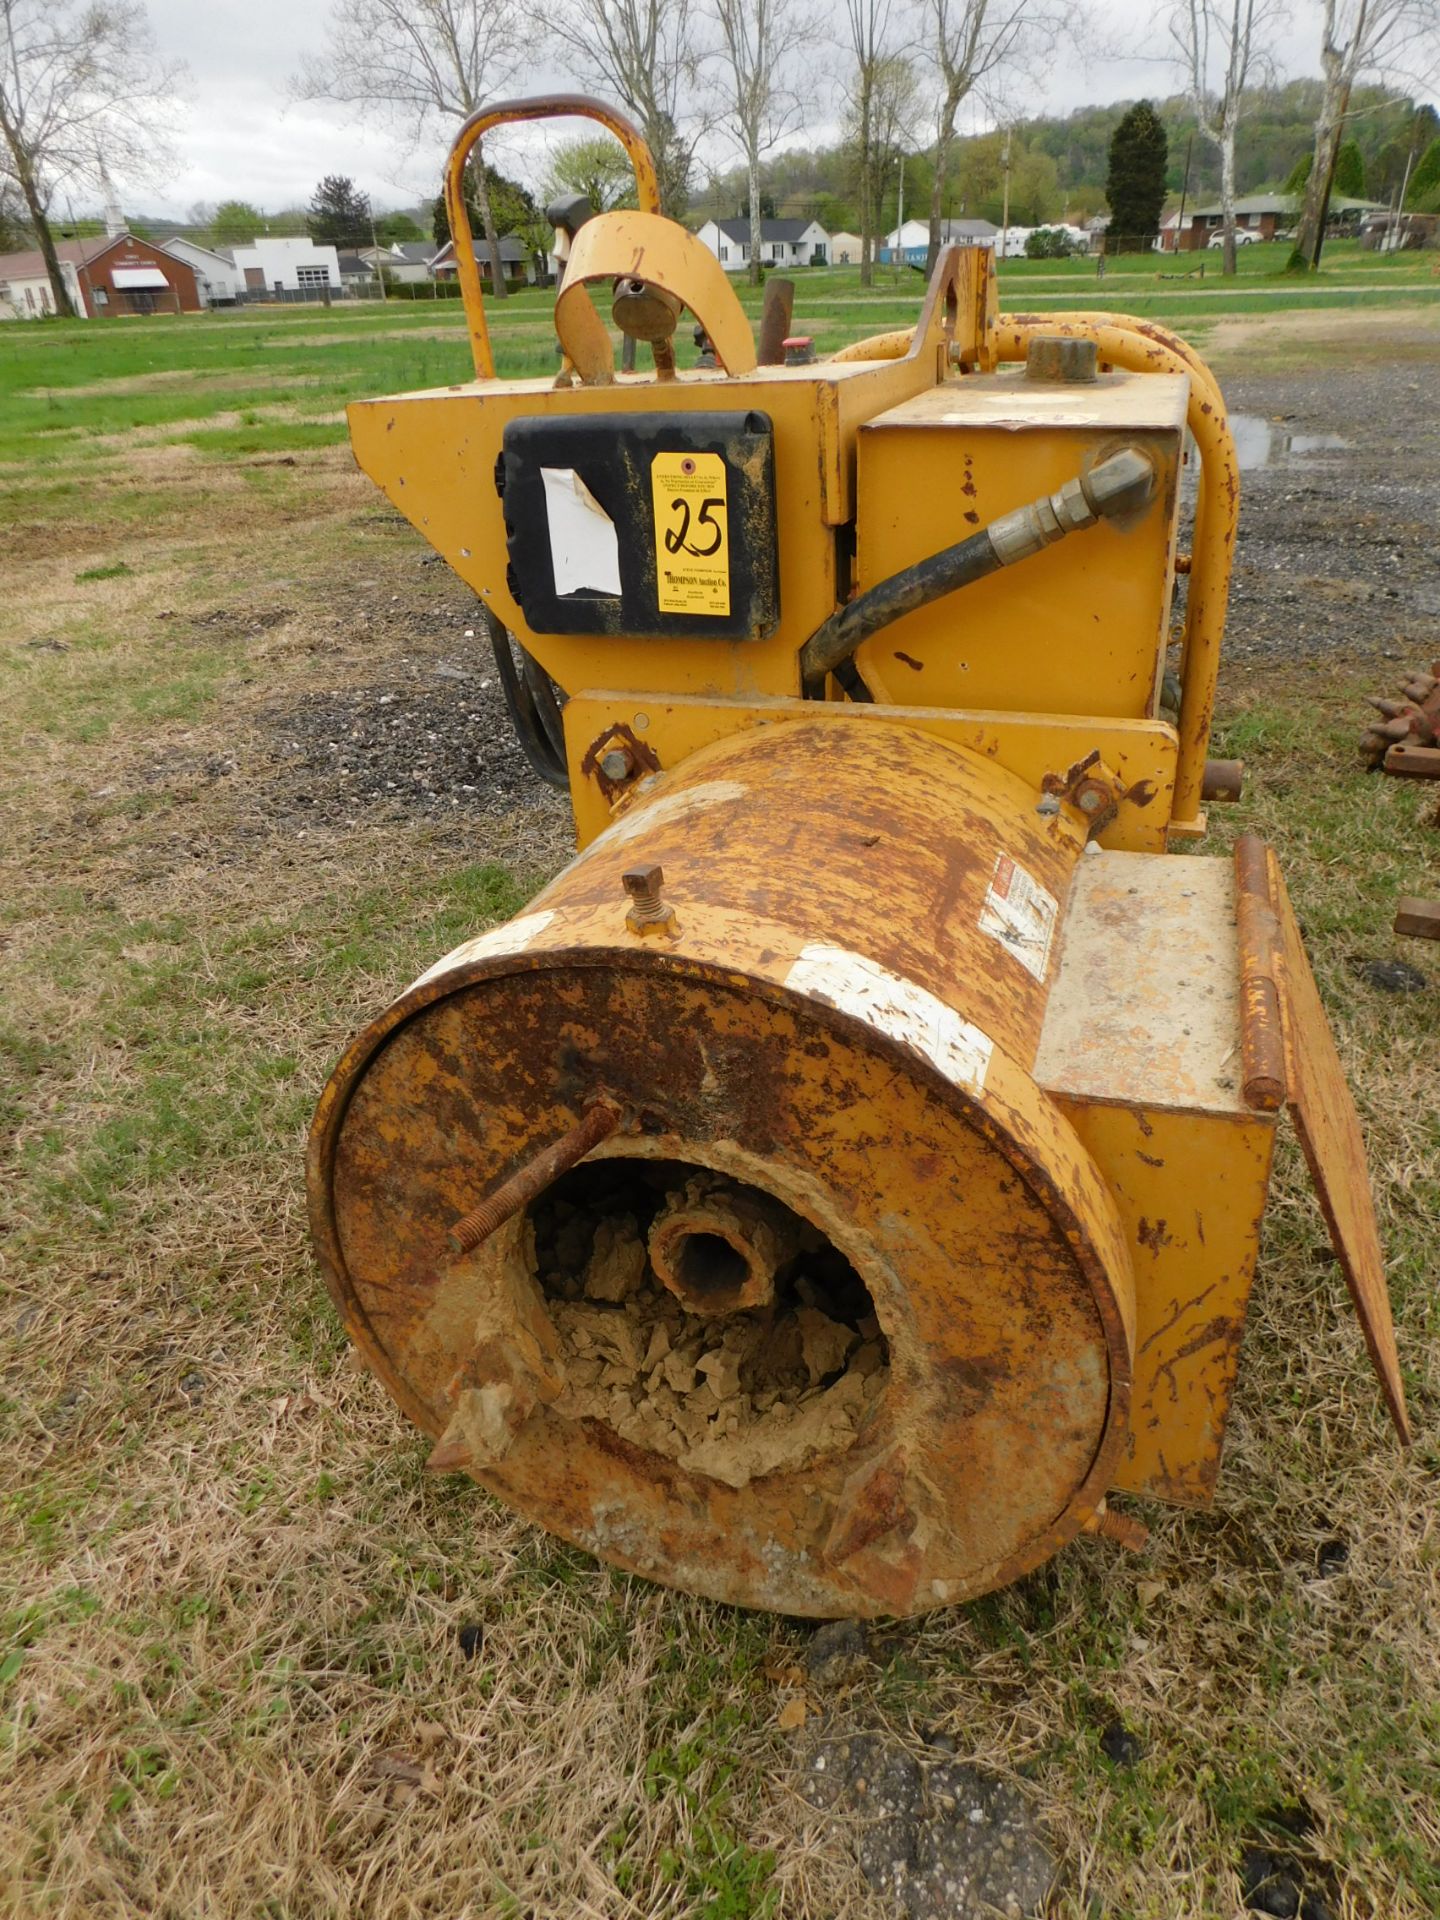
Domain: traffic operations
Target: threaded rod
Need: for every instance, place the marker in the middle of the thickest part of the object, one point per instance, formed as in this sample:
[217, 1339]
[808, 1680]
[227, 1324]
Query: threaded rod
[532, 1179]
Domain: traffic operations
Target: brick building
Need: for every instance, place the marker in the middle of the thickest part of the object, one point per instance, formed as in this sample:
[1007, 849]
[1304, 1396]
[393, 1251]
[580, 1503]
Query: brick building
[109, 276]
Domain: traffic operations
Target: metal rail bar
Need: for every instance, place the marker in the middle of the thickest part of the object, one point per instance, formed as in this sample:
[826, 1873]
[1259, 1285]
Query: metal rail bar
[544, 106]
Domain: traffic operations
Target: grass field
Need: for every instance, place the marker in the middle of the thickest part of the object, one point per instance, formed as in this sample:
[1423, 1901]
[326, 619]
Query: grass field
[252, 1662]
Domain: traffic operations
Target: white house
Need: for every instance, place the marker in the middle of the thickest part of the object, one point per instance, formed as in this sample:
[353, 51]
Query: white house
[25, 285]
[287, 266]
[219, 280]
[783, 243]
[911, 242]
[516, 258]
[407, 262]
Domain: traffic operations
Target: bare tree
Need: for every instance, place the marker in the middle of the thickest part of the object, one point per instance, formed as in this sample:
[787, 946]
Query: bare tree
[420, 61]
[973, 42]
[874, 47]
[759, 41]
[1359, 37]
[646, 54]
[1221, 47]
[81, 84]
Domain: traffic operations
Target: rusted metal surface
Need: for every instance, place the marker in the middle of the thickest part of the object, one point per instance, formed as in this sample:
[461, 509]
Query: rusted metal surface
[649, 913]
[775, 316]
[1122, 1528]
[1409, 723]
[1141, 1050]
[1224, 780]
[535, 1176]
[1092, 788]
[1329, 1128]
[911, 1141]
[1262, 1038]
[1413, 763]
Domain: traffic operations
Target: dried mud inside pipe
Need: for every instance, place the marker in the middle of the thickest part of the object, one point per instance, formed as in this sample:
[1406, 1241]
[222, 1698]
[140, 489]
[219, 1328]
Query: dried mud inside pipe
[763, 1390]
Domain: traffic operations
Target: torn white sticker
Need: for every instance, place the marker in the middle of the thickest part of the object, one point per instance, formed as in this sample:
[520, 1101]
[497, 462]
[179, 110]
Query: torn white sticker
[513, 937]
[899, 1008]
[1020, 914]
[584, 548]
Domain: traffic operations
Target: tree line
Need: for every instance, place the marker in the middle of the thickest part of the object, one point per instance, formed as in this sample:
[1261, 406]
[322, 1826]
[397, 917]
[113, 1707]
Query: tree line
[81, 78]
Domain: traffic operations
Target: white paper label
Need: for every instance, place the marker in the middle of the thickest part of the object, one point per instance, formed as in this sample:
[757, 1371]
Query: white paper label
[584, 550]
[1020, 914]
[513, 937]
[899, 1008]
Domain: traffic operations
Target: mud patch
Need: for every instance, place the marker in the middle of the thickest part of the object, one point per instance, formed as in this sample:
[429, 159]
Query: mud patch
[735, 1396]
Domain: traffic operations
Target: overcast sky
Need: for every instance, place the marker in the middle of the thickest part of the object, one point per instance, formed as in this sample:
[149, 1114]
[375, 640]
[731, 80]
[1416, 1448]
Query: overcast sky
[238, 138]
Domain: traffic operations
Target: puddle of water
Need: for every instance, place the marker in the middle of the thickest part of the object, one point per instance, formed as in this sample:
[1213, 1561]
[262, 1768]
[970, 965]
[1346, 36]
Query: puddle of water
[1259, 443]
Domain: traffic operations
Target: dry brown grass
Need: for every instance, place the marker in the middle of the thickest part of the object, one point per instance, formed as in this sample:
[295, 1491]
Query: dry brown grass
[235, 1684]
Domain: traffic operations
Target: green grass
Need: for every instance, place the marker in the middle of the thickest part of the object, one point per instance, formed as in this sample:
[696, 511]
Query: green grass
[312, 361]
[228, 1601]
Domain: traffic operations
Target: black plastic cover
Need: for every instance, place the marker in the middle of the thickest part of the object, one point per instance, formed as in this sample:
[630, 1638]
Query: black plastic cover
[691, 499]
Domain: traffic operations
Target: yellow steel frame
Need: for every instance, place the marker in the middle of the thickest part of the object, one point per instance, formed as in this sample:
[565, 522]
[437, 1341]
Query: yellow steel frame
[537, 107]
[958, 328]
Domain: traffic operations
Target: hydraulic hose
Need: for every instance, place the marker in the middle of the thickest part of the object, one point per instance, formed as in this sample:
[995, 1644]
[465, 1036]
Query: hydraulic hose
[1124, 481]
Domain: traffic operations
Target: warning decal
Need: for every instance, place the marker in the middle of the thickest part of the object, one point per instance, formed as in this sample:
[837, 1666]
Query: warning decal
[692, 533]
[1020, 914]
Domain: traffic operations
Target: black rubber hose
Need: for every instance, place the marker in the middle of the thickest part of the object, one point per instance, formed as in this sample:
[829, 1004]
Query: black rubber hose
[520, 703]
[1117, 485]
[547, 706]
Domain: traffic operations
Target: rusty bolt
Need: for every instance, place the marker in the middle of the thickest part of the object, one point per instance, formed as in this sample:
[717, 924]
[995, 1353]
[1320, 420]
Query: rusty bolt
[617, 764]
[1089, 800]
[648, 912]
[1047, 805]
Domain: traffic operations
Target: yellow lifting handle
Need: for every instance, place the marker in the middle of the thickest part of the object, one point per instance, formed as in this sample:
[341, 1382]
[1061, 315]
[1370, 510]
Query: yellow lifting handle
[545, 106]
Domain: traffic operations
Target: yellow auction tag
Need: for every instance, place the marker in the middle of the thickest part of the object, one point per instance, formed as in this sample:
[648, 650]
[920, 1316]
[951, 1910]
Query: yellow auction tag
[692, 535]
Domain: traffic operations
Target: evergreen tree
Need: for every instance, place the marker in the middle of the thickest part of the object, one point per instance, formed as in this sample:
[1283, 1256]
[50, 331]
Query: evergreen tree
[1299, 173]
[339, 213]
[1135, 185]
[1349, 180]
[1423, 193]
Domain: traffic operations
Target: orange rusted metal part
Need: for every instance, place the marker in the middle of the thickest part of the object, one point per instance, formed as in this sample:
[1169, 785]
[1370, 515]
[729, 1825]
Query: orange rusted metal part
[535, 1176]
[1262, 1037]
[818, 1058]
[1324, 1113]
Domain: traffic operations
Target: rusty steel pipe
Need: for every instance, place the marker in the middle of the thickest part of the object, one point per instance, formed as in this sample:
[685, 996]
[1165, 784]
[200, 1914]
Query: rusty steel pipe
[534, 1177]
[1224, 780]
[775, 318]
[1262, 1038]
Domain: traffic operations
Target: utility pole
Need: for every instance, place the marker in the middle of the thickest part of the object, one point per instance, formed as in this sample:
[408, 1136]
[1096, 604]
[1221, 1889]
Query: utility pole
[900, 216]
[375, 249]
[1005, 202]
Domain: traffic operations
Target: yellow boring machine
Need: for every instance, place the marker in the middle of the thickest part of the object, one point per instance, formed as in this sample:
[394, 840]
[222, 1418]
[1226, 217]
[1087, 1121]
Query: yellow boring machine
[849, 1170]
